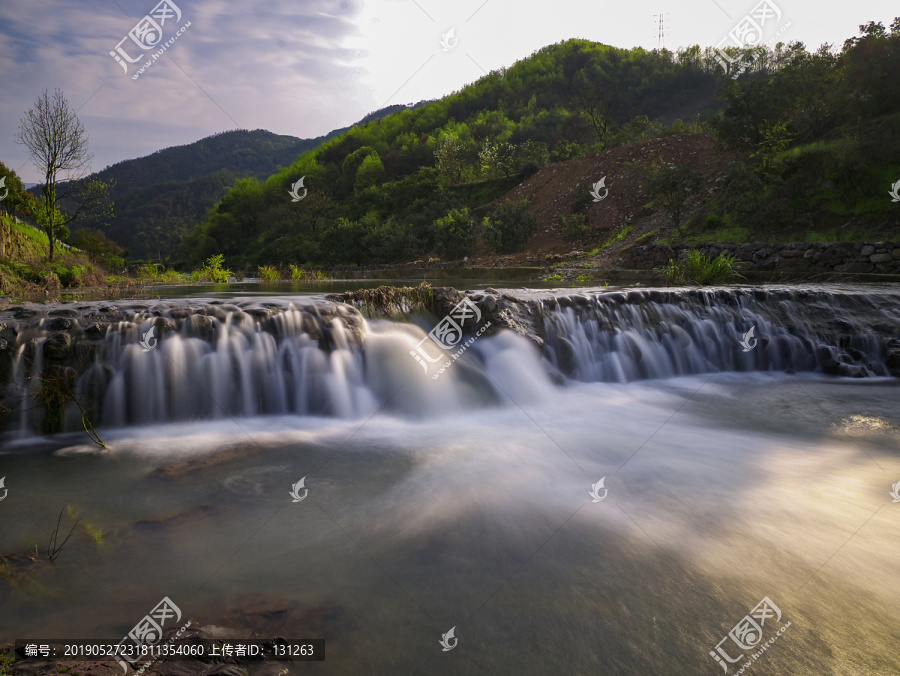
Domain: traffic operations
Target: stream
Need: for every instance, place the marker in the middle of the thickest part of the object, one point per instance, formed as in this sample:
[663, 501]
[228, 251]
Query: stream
[614, 498]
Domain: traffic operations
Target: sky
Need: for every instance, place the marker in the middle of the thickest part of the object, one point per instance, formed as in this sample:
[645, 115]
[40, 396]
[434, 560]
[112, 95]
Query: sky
[306, 67]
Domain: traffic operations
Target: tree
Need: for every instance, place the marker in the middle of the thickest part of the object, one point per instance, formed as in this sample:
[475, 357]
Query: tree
[672, 186]
[370, 171]
[316, 205]
[342, 241]
[596, 102]
[11, 188]
[775, 140]
[456, 233]
[57, 143]
[497, 159]
[449, 156]
[510, 228]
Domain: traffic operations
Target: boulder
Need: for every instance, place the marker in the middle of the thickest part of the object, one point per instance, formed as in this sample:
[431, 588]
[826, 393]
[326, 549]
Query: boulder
[856, 267]
[58, 347]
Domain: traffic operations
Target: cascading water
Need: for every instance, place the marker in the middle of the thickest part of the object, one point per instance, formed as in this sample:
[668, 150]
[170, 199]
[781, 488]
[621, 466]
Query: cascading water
[625, 336]
[234, 361]
[250, 358]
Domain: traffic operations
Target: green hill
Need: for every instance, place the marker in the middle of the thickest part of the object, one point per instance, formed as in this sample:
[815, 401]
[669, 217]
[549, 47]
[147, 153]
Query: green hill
[159, 198]
[376, 191]
[811, 139]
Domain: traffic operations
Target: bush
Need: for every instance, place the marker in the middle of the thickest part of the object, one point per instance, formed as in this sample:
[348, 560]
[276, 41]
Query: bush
[695, 268]
[212, 271]
[529, 170]
[99, 247]
[171, 276]
[583, 198]
[148, 271]
[510, 228]
[267, 273]
[456, 234]
[574, 229]
[713, 221]
[299, 274]
[566, 150]
[673, 187]
[70, 276]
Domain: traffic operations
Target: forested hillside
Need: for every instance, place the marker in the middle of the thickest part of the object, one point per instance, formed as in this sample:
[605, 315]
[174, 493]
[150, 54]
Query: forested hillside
[159, 198]
[376, 191]
[813, 136]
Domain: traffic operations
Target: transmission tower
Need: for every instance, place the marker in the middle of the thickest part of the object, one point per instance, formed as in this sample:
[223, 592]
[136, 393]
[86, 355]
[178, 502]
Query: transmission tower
[660, 25]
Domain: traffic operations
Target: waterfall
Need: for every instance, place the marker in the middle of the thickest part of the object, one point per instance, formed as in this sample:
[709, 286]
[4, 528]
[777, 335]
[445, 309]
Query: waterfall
[625, 336]
[276, 357]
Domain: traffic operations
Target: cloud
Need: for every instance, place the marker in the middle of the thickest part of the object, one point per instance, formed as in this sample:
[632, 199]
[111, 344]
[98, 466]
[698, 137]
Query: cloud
[305, 67]
[276, 65]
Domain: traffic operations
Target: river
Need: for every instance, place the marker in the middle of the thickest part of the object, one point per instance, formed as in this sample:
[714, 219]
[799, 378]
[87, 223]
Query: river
[474, 501]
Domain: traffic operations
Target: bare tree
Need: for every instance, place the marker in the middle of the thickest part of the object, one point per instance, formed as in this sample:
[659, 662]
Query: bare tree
[57, 143]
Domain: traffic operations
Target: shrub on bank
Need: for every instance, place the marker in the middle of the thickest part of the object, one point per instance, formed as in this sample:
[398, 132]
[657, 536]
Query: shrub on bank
[695, 268]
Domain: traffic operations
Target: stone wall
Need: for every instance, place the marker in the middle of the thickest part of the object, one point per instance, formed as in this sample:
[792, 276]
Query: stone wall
[845, 257]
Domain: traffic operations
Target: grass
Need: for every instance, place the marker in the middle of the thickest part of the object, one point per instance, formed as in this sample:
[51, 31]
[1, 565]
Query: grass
[552, 278]
[697, 269]
[147, 272]
[301, 274]
[268, 273]
[839, 145]
[831, 236]
[95, 533]
[24, 269]
[646, 235]
[722, 235]
[618, 237]
[171, 276]
[7, 660]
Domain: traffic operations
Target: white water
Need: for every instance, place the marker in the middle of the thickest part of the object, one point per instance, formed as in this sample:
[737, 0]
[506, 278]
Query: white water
[619, 337]
[464, 502]
[296, 362]
[737, 487]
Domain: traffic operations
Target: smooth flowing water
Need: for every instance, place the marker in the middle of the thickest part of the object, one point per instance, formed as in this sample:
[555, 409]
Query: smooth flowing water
[472, 501]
